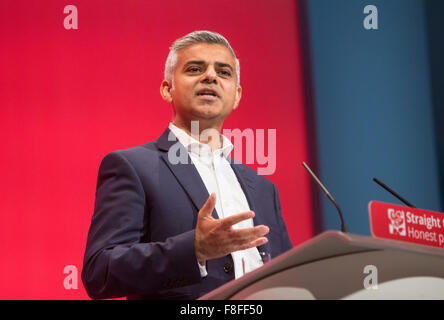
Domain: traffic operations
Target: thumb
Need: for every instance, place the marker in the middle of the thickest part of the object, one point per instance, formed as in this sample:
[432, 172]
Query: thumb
[208, 207]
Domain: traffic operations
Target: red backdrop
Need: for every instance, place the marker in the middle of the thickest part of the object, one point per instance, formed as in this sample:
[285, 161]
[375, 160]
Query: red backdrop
[68, 97]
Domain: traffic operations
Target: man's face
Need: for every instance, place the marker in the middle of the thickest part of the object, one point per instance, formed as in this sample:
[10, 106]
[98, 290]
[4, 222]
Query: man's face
[204, 84]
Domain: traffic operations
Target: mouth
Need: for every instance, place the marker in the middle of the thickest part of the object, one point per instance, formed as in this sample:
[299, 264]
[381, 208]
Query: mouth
[207, 94]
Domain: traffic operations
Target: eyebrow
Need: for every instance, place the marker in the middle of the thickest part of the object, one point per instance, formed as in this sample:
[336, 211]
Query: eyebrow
[218, 64]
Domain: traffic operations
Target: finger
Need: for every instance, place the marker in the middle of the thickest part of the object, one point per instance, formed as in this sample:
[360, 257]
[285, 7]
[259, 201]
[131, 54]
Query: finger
[244, 236]
[255, 243]
[249, 234]
[232, 220]
[208, 207]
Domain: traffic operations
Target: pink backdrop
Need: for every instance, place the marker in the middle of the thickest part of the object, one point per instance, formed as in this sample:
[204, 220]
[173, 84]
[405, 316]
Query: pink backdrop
[68, 97]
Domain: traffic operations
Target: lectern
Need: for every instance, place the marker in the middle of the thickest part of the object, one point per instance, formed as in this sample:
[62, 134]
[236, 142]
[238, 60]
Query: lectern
[335, 265]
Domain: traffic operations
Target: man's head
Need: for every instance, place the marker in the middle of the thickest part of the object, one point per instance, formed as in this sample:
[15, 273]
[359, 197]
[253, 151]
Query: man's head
[202, 78]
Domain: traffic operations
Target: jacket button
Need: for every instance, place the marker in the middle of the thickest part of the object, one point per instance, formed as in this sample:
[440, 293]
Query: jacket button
[227, 267]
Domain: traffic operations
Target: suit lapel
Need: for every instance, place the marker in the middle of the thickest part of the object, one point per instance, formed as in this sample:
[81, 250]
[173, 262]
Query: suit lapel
[185, 173]
[248, 186]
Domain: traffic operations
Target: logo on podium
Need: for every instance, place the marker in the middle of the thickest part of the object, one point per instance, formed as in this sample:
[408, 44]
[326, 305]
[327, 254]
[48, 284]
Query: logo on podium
[397, 222]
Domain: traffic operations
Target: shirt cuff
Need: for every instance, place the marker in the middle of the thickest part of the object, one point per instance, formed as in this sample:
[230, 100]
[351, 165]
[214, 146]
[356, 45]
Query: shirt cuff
[203, 270]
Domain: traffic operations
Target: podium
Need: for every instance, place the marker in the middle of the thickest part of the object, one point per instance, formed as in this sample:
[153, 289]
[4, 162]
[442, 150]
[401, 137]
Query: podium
[336, 265]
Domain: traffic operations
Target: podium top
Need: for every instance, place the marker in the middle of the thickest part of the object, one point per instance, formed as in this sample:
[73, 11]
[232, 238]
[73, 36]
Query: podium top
[326, 245]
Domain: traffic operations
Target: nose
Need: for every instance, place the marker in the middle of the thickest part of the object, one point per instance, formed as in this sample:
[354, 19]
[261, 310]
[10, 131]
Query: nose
[210, 76]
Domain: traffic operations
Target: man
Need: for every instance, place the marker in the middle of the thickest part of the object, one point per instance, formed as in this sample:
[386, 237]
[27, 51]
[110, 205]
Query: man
[168, 229]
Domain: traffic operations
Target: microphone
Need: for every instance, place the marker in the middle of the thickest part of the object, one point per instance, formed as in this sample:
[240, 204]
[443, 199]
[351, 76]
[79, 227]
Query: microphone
[343, 226]
[393, 193]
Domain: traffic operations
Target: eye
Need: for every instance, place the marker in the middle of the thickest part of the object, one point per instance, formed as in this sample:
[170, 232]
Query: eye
[225, 73]
[193, 69]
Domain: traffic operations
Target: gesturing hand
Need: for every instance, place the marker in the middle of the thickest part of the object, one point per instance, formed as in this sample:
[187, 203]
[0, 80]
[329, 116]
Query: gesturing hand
[215, 238]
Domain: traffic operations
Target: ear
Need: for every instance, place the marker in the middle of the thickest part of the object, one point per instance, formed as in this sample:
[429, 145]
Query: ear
[165, 91]
[237, 97]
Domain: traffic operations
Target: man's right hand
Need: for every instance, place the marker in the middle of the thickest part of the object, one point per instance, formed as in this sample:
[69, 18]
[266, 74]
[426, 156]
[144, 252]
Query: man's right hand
[215, 238]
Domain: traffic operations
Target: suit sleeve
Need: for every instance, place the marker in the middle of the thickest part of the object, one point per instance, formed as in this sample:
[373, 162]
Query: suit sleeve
[286, 243]
[116, 262]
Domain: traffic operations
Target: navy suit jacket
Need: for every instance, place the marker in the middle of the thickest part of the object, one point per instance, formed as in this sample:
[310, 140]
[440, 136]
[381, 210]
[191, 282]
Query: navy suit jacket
[141, 239]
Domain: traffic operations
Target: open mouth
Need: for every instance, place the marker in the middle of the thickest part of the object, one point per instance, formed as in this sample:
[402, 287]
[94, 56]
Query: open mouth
[207, 93]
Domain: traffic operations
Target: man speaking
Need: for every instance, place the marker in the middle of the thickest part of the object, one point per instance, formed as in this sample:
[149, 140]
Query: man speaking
[168, 229]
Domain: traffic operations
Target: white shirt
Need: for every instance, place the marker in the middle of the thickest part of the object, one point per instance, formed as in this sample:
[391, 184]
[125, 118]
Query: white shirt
[218, 177]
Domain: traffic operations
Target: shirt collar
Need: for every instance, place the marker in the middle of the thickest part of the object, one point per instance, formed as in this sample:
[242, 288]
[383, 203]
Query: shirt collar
[200, 149]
